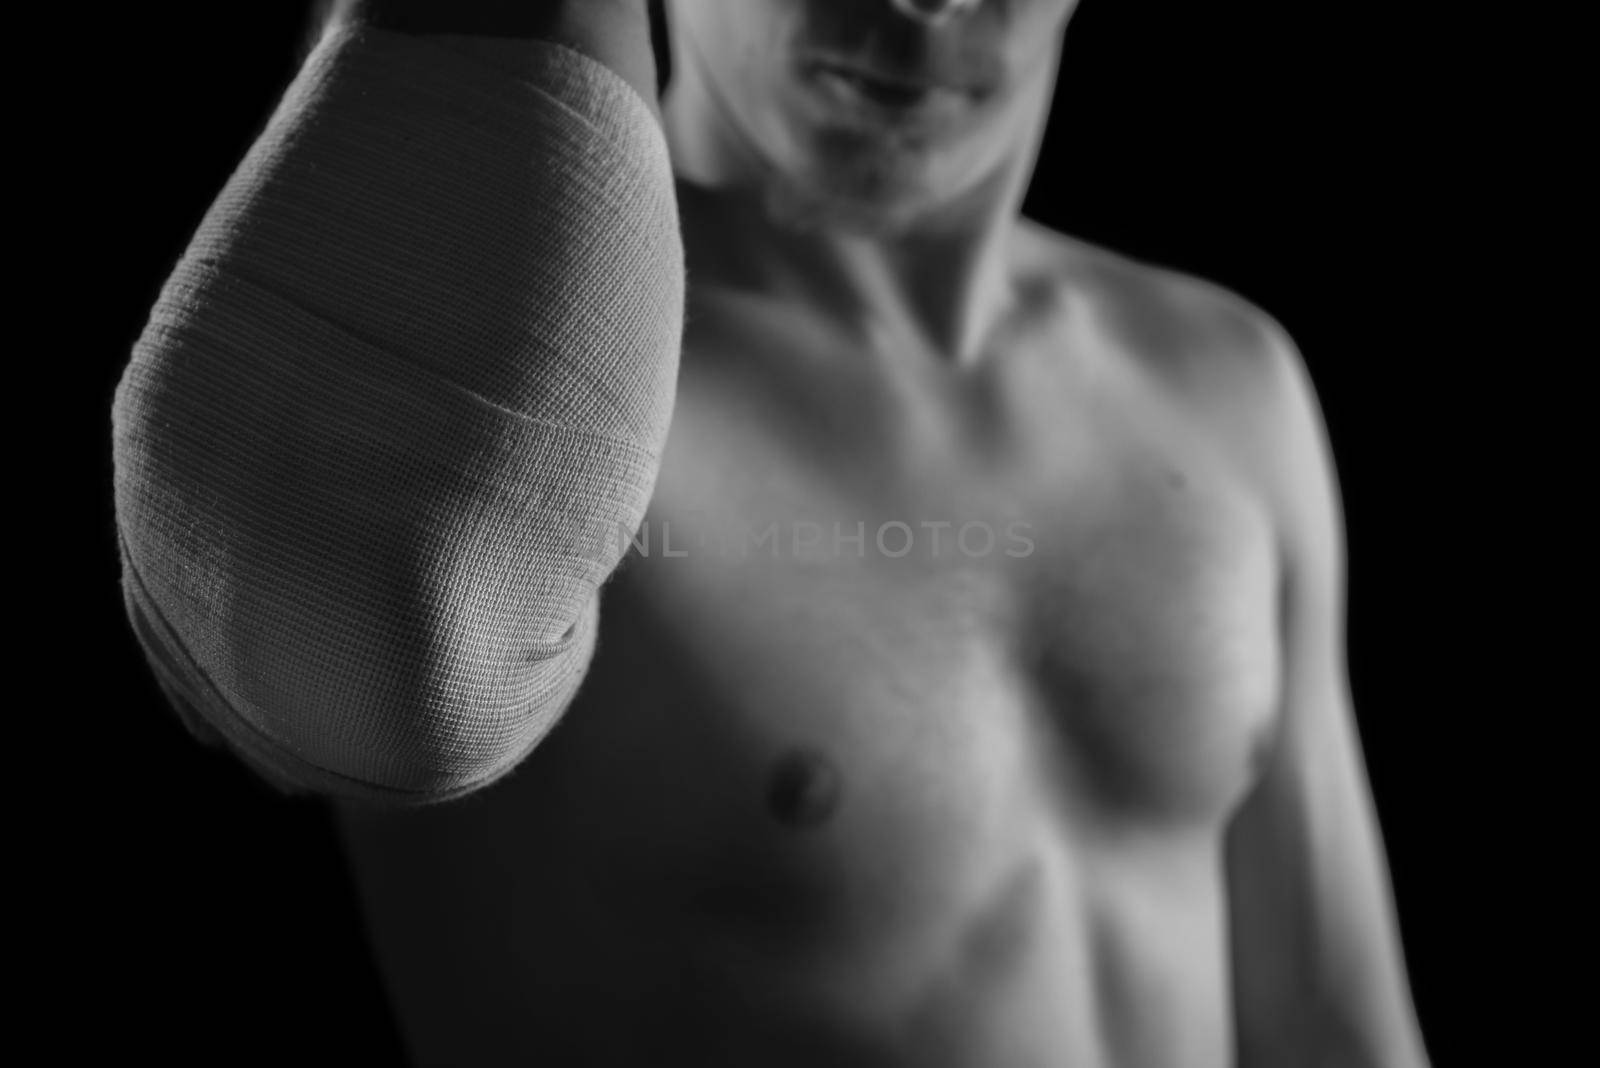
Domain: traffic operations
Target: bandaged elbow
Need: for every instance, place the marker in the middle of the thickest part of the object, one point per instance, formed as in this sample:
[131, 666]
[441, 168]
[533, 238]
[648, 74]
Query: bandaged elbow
[396, 411]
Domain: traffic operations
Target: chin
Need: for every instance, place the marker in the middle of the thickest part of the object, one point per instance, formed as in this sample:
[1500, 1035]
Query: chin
[806, 209]
[874, 197]
[875, 183]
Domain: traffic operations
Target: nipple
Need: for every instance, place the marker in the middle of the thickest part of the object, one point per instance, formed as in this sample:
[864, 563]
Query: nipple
[804, 789]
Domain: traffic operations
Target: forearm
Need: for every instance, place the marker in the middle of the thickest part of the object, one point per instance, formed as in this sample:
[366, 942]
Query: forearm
[615, 32]
[411, 375]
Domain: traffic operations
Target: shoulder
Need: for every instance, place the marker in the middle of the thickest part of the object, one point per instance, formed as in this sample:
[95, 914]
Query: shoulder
[1189, 333]
[1231, 369]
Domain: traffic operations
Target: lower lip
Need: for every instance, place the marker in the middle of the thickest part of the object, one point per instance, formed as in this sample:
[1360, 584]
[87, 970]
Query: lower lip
[901, 105]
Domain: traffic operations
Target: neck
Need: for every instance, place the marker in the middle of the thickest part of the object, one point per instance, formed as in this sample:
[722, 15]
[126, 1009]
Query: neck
[938, 284]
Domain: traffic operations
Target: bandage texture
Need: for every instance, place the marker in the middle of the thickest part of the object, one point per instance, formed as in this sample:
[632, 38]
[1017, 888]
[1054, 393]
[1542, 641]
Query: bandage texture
[377, 441]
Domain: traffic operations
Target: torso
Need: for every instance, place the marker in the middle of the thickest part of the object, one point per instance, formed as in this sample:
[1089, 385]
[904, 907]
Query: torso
[830, 804]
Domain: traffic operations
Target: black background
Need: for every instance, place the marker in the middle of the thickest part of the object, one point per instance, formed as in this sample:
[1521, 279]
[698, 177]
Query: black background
[1302, 157]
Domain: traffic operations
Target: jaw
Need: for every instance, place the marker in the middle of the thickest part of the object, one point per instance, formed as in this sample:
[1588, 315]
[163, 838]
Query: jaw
[856, 180]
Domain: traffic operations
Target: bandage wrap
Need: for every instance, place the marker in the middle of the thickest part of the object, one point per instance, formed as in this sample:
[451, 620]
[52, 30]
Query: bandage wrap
[410, 379]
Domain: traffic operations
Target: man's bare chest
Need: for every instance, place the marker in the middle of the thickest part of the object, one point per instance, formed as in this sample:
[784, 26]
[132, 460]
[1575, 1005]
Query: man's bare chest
[947, 594]
[879, 684]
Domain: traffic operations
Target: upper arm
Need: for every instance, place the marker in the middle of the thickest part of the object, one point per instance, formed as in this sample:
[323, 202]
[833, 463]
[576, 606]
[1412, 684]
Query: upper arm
[1318, 971]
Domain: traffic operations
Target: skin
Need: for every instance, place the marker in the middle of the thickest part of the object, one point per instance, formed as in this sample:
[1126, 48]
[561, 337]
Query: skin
[1100, 802]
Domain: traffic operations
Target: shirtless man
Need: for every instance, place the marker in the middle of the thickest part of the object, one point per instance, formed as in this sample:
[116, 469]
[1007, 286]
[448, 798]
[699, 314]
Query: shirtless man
[975, 692]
